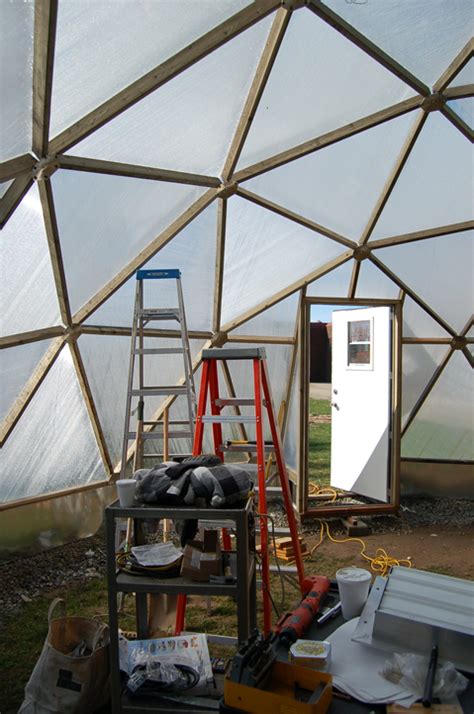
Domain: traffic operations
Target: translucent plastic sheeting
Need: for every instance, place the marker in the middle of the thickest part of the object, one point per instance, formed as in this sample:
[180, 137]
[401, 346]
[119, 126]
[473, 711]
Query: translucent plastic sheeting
[265, 253]
[435, 186]
[277, 321]
[53, 446]
[291, 441]
[464, 108]
[105, 221]
[419, 364]
[439, 270]
[27, 293]
[106, 360]
[423, 36]
[4, 187]
[444, 426]
[320, 81]
[16, 367]
[372, 283]
[417, 322]
[126, 40]
[465, 76]
[16, 72]
[338, 186]
[188, 123]
[193, 252]
[333, 284]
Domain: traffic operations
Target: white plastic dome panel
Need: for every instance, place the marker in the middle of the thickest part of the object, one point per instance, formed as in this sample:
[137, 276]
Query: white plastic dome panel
[125, 40]
[104, 221]
[444, 426]
[423, 35]
[16, 78]
[372, 283]
[316, 68]
[27, 292]
[187, 124]
[435, 186]
[464, 108]
[338, 186]
[420, 362]
[439, 270]
[193, 251]
[465, 76]
[53, 445]
[16, 367]
[417, 322]
[277, 321]
[334, 284]
[256, 269]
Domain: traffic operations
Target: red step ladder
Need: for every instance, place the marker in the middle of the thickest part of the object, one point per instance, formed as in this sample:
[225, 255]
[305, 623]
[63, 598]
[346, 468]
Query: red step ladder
[262, 400]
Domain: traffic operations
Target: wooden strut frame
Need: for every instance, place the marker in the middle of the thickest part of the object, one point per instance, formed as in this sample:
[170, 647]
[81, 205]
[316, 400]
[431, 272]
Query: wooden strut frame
[22, 170]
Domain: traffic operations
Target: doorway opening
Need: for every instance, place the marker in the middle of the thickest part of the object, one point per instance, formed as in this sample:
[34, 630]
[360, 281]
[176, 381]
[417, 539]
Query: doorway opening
[351, 390]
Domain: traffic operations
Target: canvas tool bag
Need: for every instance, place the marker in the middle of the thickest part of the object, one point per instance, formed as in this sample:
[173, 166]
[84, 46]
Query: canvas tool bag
[64, 682]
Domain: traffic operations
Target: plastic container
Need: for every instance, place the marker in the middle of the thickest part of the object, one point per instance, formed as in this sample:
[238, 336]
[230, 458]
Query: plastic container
[315, 654]
[126, 491]
[354, 585]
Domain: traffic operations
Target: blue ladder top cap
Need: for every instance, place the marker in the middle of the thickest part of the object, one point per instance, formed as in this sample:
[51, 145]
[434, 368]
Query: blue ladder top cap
[158, 274]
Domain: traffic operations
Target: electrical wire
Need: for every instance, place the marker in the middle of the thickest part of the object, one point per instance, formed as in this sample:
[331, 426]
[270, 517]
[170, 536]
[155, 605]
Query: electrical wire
[380, 563]
[333, 494]
[283, 594]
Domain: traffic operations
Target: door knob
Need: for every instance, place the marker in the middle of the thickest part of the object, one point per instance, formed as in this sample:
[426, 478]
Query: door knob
[336, 406]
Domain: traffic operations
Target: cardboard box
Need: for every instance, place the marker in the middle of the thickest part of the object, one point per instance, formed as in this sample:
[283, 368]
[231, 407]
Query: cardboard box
[202, 558]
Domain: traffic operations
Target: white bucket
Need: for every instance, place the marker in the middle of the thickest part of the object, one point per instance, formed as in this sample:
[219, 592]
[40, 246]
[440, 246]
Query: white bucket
[354, 584]
[126, 491]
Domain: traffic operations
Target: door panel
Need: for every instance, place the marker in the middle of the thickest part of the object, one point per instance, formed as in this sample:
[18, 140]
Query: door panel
[361, 401]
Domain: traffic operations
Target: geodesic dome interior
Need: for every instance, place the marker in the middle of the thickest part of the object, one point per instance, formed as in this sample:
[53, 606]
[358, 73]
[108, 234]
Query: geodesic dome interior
[269, 150]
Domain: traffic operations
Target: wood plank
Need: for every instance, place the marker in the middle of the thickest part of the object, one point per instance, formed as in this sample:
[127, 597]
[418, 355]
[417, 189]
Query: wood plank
[363, 302]
[296, 217]
[354, 279]
[302, 487]
[286, 292]
[219, 263]
[426, 340]
[148, 252]
[147, 332]
[54, 245]
[459, 123]
[265, 65]
[114, 168]
[161, 74]
[332, 137]
[461, 92]
[53, 494]
[422, 235]
[368, 46]
[393, 177]
[46, 13]
[24, 338]
[91, 407]
[14, 194]
[14, 167]
[455, 67]
[263, 339]
[29, 390]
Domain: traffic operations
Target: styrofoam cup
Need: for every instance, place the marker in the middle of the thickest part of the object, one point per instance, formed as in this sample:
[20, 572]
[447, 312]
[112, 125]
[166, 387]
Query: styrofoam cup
[126, 491]
[354, 584]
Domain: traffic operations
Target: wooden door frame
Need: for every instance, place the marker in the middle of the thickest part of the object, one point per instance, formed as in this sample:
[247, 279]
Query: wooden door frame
[307, 512]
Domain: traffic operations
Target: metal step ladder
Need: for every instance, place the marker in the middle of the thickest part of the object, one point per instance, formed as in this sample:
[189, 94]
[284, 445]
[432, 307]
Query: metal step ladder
[161, 428]
[262, 403]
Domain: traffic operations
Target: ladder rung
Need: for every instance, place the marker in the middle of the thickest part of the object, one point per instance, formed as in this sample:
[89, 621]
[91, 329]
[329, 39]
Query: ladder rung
[159, 351]
[246, 448]
[159, 311]
[159, 435]
[235, 402]
[233, 419]
[171, 422]
[157, 391]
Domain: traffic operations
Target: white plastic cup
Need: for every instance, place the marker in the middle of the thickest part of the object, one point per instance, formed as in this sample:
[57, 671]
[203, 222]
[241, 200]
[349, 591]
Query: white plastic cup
[126, 491]
[354, 584]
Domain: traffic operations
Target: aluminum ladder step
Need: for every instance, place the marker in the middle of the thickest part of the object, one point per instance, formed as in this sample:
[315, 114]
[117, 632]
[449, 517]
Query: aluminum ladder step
[166, 313]
[249, 448]
[146, 435]
[232, 419]
[158, 391]
[159, 351]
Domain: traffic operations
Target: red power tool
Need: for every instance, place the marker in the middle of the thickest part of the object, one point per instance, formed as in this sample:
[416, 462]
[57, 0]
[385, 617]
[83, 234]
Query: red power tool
[297, 622]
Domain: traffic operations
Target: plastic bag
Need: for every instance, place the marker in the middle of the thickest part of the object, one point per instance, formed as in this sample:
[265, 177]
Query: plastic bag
[410, 670]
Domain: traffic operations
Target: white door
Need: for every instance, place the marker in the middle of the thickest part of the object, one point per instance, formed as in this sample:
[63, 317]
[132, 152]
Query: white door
[361, 401]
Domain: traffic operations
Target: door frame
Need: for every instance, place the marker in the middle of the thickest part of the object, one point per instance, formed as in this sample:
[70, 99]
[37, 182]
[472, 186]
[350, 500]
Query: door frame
[305, 510]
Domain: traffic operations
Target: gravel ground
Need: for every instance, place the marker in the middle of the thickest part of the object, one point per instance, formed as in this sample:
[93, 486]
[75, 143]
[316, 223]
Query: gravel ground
[26, 578]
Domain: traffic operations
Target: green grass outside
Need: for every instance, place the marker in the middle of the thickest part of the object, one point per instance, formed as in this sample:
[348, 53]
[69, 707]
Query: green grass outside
[319, 444]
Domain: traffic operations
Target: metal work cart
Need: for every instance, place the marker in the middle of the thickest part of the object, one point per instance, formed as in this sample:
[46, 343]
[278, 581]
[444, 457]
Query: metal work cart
[244, 589]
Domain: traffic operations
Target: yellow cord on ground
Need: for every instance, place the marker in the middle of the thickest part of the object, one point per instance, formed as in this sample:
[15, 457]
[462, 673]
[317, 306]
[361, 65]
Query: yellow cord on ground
[380, 564]
[317, 490]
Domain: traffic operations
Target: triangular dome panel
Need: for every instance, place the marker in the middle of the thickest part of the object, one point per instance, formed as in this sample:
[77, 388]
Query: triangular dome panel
[439, 270]
[419, 365]
[334, 284]
[277, 321]
[27, 292]
[53, 445]
[464, 108]
[423, 36]
[16, 367]
[465, 76]
[105, 221]
[255, 270]
[193, 250]
[444, 426]
[339, 185]
[372, 282]
[316, 68]
[16, 72]
[187, 124]
[435, 186]
[417, 322]
[125, 40]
